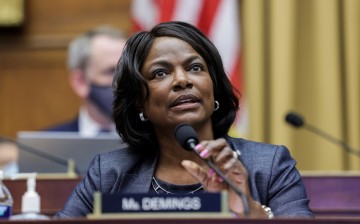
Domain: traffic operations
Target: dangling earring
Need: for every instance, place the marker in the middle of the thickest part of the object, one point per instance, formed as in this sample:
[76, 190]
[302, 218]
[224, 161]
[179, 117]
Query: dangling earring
[217, 105]
[142, 117]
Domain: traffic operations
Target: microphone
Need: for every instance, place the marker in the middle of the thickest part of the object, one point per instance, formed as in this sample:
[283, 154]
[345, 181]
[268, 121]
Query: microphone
[68, 163]
[298, 121]
[188, 139]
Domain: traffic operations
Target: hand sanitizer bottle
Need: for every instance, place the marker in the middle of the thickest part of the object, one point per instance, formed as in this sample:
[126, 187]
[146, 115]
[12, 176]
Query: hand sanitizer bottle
[6, 201]
[30, 204]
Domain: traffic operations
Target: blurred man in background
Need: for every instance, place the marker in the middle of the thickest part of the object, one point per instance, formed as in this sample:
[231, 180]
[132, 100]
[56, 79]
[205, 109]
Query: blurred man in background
[92, 58]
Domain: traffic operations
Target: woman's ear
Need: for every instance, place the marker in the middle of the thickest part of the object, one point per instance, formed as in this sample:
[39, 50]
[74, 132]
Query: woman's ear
[79, 83]
[139, 104]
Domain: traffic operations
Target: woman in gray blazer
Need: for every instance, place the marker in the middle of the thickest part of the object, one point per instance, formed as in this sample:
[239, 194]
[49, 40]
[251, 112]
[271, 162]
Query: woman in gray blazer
[167, 76]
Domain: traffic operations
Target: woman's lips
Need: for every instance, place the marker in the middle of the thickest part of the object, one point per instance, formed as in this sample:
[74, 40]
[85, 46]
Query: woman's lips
[187, 101]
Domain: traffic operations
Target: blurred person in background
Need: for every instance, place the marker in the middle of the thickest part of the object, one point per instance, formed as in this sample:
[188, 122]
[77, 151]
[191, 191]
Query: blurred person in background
[92, 58]
[8, 156]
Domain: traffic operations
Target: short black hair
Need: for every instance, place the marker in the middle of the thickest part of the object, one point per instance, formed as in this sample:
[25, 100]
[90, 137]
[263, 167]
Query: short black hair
[131, 90]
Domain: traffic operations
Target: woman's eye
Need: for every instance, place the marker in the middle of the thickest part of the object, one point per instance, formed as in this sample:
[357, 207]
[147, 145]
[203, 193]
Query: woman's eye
[159, 74]
[196, 68]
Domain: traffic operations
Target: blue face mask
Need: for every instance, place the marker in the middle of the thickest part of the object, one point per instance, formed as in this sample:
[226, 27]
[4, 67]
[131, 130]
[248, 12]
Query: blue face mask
[102, 97]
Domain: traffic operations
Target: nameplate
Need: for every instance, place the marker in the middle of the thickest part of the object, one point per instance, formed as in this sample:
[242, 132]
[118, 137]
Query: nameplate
[149, 203]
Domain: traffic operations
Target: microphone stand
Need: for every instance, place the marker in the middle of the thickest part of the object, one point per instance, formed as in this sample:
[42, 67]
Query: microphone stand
[68, 163]
[332, 139]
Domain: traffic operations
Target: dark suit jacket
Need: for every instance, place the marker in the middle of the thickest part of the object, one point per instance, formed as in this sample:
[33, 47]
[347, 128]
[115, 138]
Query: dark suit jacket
[274, 180]
[72, 125]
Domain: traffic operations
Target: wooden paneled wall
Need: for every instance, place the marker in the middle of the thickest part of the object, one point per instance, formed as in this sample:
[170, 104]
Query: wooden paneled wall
[34, 88]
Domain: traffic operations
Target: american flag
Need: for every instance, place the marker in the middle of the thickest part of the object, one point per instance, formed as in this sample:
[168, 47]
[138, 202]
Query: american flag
[218, 19]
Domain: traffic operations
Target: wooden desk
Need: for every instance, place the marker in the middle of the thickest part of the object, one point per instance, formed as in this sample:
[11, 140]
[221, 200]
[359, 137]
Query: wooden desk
[53, 193]
[333, 194]
[199, 221]
[330, 195]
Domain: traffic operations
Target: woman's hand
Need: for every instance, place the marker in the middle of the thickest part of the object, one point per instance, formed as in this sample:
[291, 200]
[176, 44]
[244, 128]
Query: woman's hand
[225, 159]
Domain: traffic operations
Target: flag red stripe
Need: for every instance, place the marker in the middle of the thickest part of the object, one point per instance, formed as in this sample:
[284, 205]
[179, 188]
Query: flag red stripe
[207, 15]
[166, 9]
[236, 73]
[136, 26]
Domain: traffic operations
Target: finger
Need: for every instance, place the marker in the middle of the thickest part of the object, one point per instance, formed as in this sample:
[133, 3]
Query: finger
[224, 155]
[209, 149]
[195, 170]
[201, 149]
[230, 163]
[210, 180]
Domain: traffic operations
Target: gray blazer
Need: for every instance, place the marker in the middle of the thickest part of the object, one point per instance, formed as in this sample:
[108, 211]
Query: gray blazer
[274, 180]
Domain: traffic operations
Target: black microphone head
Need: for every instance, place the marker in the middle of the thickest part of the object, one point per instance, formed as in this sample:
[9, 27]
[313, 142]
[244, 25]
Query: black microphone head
[185, 134]
[294, 119]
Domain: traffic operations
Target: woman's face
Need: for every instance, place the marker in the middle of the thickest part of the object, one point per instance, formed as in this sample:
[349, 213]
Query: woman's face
[180, 87]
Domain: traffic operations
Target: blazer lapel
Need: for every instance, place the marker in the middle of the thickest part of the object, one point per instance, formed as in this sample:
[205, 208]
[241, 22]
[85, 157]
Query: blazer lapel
[139, 182]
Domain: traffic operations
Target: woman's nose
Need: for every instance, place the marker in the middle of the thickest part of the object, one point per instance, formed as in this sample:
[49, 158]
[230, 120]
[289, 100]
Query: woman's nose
[181, 80]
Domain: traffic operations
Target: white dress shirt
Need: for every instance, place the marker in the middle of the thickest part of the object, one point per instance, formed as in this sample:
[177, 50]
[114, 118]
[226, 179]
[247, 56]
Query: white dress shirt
[88, 127]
